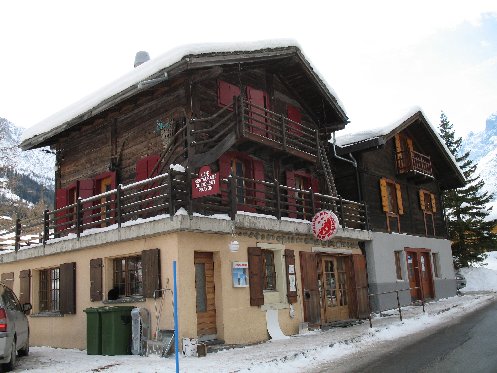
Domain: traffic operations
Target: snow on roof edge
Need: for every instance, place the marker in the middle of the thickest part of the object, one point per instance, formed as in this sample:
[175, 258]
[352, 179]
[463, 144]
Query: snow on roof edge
[151, 67]
[358, 137]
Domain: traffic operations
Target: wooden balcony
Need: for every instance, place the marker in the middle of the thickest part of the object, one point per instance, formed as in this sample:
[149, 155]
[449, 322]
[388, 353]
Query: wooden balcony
[414, 165]
[167, 193]
[209, 137]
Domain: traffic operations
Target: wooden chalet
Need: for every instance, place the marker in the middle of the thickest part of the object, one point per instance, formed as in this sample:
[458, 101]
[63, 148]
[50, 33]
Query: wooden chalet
[251, 125]
[401, 171]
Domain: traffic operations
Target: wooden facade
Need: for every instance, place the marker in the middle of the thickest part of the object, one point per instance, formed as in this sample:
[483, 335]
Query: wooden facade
[400, 176]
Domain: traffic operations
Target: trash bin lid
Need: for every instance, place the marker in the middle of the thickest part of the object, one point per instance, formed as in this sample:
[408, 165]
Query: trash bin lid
[91, 310]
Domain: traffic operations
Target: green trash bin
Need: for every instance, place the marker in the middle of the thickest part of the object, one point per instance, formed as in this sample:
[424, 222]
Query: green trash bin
[116, 330]
[93, 331]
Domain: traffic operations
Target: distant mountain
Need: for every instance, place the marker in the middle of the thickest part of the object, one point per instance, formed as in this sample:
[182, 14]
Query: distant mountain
[24, 175]
[483, 151]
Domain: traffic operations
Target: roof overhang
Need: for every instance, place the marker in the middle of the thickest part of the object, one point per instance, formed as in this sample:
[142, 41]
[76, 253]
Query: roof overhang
[288, 61]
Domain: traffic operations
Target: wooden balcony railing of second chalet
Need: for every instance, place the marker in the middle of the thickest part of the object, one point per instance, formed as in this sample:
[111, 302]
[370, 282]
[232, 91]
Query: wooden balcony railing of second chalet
[209, 137]
[413, 162]
[168, 193]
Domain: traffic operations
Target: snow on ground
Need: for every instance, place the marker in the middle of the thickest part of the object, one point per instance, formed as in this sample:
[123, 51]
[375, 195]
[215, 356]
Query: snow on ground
[297, 354]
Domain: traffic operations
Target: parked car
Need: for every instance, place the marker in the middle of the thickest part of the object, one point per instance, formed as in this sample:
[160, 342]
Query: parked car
[14, 328]
[460, 281]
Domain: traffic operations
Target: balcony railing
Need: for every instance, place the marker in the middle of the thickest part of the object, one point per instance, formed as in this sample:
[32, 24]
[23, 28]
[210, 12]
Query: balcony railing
[244, 119]
[167, 193]
[414, 162]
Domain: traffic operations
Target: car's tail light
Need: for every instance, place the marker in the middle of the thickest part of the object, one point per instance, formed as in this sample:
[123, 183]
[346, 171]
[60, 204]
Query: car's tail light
[3, 320]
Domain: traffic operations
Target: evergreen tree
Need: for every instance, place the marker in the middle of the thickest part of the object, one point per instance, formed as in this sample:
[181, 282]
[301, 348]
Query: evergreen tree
[465, 207]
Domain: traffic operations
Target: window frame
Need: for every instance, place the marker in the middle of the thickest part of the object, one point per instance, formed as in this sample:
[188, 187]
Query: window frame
[125, 289]
[269, 270]
[391, 201]
[49, 290]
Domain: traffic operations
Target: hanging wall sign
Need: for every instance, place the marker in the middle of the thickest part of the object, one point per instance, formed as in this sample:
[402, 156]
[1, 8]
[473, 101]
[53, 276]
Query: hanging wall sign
[324, 225]
[206, 184]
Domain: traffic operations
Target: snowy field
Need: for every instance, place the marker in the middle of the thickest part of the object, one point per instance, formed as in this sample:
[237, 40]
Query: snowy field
[297, 354]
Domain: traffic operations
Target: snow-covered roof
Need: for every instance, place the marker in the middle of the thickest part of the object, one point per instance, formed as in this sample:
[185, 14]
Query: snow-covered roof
[154, 68]
[378, 135]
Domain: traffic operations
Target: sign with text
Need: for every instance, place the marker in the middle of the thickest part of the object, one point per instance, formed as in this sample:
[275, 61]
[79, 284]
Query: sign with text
[324, 225]
[207, 183]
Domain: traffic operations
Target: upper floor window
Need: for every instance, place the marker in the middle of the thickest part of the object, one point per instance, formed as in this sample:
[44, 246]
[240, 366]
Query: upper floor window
[391, 200]
[427, 201]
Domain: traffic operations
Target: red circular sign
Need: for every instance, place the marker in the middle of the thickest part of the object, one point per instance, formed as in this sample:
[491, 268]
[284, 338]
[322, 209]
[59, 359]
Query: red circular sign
[324, 225]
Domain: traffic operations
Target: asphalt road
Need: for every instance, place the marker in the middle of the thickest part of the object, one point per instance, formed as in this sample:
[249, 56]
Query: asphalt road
[468, 346]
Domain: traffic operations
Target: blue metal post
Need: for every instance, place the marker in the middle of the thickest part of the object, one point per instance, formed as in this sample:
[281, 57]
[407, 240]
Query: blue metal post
[175, 300]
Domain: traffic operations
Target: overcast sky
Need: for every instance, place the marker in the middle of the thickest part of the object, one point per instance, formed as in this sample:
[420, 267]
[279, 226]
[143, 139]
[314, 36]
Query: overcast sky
[380, 57]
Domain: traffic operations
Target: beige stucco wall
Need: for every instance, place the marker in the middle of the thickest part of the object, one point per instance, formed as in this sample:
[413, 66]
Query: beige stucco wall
[237, 322]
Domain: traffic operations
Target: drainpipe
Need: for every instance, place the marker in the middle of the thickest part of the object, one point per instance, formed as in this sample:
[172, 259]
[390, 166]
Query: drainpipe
[352, 161]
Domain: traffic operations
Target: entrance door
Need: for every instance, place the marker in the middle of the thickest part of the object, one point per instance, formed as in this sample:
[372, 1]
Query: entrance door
[425, 270]
[334, 297]
[420, 276]
[205, 295]
[310, 287]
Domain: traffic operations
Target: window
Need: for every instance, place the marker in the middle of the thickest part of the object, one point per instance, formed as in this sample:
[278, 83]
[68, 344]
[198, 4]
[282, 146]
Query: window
[427, 201]
[238, 169]
[272, 276]
[391, 201]
[57, 289]
[398, 268]
[436, 264]
[269, 270]
[85, 188]
[250, 192]
[49, 296]
[428, 205]
[128, 276]
[299, 203]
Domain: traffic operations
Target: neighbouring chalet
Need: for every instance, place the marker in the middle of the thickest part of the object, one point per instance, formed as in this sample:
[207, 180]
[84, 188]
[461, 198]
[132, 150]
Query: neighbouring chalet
[400, 172]
[218, 157]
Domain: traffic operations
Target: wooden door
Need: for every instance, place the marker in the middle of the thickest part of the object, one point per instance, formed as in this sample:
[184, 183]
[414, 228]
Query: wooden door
[425, 274]
[205, 295]
[310, 287]
[335, 297]
[412, 271]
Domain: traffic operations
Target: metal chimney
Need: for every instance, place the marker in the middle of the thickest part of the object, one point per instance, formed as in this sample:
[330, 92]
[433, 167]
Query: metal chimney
[141, 57]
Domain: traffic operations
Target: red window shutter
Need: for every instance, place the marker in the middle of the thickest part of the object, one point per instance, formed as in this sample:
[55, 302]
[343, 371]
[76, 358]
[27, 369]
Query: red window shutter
[86, 188]
[151, 163]
[256, 280]
[60, 202]
[96, 266]
[68, 288]
[294, 115]
[290, 264]
[225, 165]
[315, 189]
[141, 169]
[257, 120]
[290, 182]
[258, 169]
[226, 92]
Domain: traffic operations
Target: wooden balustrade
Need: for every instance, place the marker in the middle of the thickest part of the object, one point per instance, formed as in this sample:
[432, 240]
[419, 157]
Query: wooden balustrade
[167, 193]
